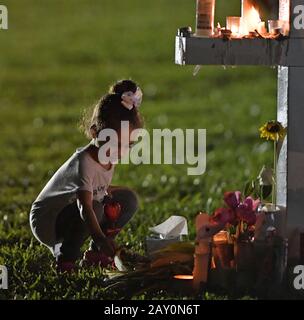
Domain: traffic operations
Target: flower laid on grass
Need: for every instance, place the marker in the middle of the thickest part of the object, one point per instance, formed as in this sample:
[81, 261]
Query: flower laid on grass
[137, 275]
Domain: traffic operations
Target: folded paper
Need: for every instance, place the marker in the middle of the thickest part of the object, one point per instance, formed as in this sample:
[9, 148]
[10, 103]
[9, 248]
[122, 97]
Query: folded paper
[173, 227]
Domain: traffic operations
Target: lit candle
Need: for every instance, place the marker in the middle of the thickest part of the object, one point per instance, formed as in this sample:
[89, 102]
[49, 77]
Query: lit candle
[262, 28]
[250, 17]
[221, 237]
[234, 25]
[275, 26]
[183, 277]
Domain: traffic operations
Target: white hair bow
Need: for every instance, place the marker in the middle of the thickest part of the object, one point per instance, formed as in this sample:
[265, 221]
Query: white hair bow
[131, 99]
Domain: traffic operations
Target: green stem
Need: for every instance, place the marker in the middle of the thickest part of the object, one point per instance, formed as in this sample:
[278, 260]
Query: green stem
[261, 193]
[274, 191]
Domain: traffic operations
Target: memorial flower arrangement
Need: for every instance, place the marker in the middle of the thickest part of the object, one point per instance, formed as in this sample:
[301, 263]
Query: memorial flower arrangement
[238, 216]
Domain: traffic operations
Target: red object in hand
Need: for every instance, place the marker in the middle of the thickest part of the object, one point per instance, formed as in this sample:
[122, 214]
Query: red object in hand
[112, 210]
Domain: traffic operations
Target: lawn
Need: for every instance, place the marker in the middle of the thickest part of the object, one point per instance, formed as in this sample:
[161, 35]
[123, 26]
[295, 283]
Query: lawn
[59, 57]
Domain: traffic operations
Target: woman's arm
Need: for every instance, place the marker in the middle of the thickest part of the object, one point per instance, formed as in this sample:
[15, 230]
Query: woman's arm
[86, 200]
[112, 188]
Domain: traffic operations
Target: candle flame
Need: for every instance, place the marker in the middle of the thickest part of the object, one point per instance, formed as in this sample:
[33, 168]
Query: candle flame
[183, 277]
[254, 16]
[251, 20]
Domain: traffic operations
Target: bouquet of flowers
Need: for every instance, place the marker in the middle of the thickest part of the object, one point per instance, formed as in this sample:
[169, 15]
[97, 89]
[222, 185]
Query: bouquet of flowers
[238, 216]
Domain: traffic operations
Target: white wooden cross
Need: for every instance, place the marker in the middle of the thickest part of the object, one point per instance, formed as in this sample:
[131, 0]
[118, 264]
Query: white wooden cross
[288, 55]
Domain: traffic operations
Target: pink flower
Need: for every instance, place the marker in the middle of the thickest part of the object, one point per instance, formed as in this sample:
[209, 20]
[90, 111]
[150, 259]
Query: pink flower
[250, 218]
[237, 210]
[255, 204]
[246, 213]
[223, 216]
[232, 199]
[251, 203]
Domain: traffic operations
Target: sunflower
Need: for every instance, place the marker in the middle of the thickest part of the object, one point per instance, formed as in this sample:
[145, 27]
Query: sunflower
[272, 130]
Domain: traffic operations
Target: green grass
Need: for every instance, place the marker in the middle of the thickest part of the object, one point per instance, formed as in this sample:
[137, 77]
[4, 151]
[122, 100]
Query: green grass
[60, 56]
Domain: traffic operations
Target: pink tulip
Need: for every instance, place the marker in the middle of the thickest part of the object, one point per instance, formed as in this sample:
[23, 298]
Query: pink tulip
[251, 203]
[244, 212]
[237, 210]
[256, 204]
[248, 203]
[232, 199]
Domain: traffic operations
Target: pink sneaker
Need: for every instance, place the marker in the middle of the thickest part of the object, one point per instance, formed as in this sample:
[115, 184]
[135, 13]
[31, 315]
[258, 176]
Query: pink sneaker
[96, 258]
[65, 266]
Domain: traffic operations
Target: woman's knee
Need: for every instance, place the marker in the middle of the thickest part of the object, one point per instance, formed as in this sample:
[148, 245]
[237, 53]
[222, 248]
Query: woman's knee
[127, 198]
[128, 201]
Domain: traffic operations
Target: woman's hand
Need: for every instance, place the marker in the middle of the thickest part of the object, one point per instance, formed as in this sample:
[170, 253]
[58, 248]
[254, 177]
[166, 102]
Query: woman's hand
[107, 246]
[88, 214]
[113, 243]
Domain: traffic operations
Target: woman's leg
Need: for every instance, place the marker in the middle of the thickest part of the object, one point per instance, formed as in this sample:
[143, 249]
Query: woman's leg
[128, 201]
[71, 229]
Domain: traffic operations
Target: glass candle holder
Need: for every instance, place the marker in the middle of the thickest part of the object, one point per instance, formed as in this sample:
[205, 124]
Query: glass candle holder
[276, 26]
[234, 25]
[262, 28]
